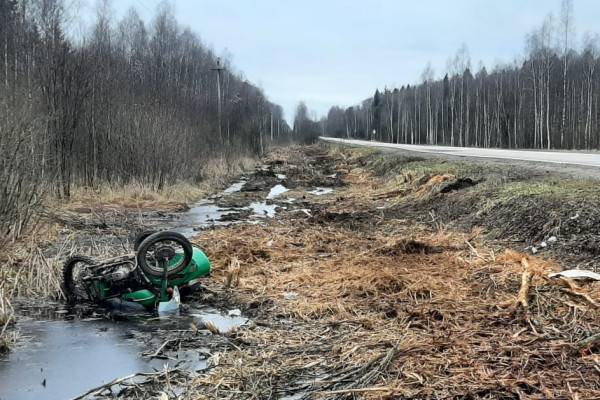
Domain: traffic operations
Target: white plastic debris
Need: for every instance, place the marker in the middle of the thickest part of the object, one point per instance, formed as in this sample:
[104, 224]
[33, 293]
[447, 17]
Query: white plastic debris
[543, 245]
[170, 307]
[534, 250]
[552, 239]
[577, 274]
[235, 312]
[305, 211]
[290, 295]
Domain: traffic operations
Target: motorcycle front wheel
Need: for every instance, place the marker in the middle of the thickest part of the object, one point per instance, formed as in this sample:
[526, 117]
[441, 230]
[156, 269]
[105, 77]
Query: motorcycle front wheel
[176, 242]
[74, 270]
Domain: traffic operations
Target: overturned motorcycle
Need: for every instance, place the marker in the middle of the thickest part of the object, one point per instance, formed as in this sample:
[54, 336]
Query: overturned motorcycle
[161, 263]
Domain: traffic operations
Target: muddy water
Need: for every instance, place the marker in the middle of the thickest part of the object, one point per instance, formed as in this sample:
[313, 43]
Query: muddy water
[206, 213]
[63, 355]
[65, 358]
[62, 358]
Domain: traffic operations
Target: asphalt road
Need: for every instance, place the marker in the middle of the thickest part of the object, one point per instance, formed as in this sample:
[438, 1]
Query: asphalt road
[554, 157]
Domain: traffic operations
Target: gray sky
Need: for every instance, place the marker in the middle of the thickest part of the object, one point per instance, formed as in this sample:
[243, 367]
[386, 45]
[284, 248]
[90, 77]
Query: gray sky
[329, 52]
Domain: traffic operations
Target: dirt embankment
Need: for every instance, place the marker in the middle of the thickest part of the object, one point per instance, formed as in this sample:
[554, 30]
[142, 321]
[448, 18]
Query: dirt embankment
[398, 285]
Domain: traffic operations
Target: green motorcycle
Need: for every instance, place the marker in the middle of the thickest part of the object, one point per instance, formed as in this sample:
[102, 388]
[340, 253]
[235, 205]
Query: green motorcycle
[161, 263]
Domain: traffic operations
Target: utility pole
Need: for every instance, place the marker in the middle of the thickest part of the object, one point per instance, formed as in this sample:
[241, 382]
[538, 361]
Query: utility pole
[219, 68]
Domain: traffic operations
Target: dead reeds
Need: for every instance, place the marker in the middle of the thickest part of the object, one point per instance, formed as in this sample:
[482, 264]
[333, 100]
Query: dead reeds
[375, 313]
[446, 313]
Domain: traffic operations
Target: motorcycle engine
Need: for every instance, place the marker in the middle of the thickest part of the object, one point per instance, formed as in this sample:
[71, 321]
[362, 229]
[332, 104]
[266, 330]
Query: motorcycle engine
[123, 279]
[119, 274]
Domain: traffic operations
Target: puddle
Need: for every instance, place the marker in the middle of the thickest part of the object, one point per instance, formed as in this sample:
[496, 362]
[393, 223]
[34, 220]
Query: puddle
[319, 191]
[63, 358]
[64, 355]
[224, 323]
[205, 213]
[263, 210]
[66, 358]
[201, 215]
[235, 187]
[276, 190]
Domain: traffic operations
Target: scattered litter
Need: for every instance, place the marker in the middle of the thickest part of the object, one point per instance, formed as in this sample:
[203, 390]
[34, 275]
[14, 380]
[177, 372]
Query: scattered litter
[281, 176]
[319, 191]
[543, 245]
[235, 313]
[290, 295]
[534, 250]
[170, 307]
[305, 211]
[576, 274]
[276, 190]
[552, 239]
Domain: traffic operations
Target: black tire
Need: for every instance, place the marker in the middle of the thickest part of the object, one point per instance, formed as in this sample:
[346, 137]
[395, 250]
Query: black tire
[140, 237]
[165, 236]
[71, 285]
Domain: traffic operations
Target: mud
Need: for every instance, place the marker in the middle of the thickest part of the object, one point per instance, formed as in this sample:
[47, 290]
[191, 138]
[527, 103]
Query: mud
[66, 351]
[393, 233]
[397, 285]
[517, 206]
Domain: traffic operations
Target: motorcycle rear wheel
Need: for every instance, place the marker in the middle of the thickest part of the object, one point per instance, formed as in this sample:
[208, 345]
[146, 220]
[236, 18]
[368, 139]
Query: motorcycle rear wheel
[73, 286]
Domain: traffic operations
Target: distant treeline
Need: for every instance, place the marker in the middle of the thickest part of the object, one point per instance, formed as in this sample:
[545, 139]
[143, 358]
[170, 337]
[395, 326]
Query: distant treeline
[125, 101]
[548, 100]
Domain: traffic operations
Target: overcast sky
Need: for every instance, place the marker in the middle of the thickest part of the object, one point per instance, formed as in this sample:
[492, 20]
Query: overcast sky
[328, 52]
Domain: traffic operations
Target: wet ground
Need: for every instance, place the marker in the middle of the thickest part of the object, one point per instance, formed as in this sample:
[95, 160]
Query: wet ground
[65, 351]
[356, 282]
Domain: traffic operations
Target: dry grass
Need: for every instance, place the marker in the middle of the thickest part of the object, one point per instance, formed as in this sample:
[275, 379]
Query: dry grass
[214, 174]
[135, 196]
[28, 273]
[364, 313]
[7, 318]
[453, 316]
[217, 171]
